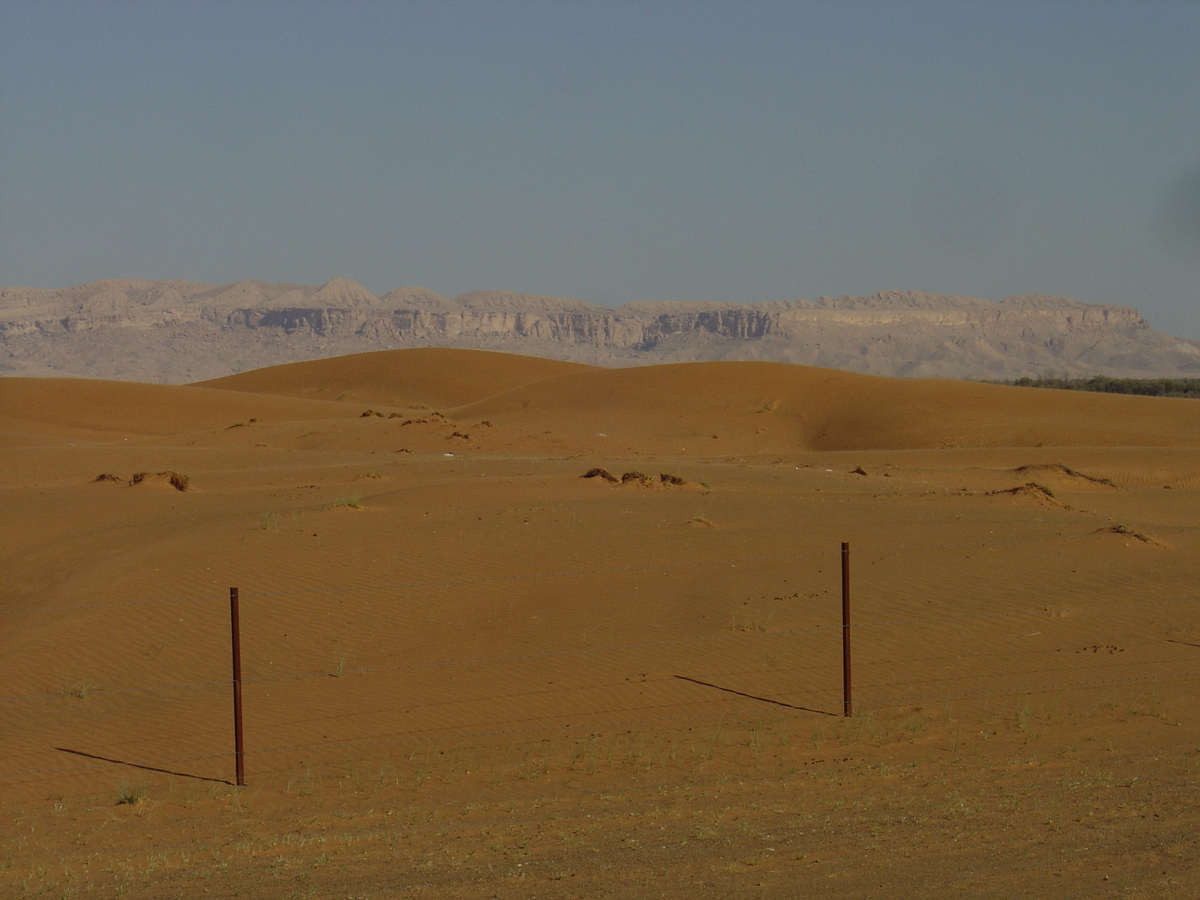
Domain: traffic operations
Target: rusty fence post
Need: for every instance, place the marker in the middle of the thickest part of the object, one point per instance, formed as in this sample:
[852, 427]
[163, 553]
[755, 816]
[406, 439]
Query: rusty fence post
[846, 707]
[235, 630]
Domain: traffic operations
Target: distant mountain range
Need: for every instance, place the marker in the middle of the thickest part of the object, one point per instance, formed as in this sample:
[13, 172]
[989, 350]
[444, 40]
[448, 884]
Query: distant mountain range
[178, 331]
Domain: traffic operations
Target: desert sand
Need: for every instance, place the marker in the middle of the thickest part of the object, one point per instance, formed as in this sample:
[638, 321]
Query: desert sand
[470, 671]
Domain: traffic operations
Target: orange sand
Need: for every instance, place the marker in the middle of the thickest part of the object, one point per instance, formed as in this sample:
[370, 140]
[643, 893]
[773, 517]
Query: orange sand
[472, 672]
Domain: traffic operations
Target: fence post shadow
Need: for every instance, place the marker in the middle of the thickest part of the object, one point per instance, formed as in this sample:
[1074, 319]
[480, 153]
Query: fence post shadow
[133, 765]
[820, 712]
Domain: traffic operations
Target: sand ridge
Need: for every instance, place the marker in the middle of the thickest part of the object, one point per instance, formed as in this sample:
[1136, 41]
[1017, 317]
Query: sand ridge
[799, 407]
[400, 378]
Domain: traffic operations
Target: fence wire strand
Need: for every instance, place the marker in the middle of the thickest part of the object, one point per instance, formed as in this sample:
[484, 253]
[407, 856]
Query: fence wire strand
[879, 693]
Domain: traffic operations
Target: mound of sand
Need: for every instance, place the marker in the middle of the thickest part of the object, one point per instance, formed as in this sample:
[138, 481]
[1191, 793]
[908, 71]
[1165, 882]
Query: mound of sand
[423, 377]
[1059, 476]
[698, 407]
[65, 405]
[168, 479]
[1126, 531]
[1039, 493]
[693, 409]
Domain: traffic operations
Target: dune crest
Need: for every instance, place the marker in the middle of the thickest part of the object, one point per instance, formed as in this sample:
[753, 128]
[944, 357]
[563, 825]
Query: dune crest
[686, 409]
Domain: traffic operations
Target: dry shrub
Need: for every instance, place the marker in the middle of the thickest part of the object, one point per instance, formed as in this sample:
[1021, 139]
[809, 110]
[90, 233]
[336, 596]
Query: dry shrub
[1133, 533]
[459, 434]
[371, 412]
[177, 480]
[639, 478]
[104, 476]
[433, 419]
[667, 478]
[1035, 491]
[598, 472]
[1029, 488]
[1065, 470]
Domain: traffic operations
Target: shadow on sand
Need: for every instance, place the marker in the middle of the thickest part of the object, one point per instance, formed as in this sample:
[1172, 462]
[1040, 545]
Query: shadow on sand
[121, 762]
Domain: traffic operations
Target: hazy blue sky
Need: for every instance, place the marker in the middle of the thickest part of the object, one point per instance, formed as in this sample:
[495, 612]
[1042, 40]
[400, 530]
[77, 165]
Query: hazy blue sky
[610, 151]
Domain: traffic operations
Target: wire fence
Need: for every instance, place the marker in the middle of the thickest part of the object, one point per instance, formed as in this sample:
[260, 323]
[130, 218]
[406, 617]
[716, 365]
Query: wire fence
[363, 667]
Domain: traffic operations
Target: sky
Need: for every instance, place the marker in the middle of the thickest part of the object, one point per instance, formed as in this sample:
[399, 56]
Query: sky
[610, 151]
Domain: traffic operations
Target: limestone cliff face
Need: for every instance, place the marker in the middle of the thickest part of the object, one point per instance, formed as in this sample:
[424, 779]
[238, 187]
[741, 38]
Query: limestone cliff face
[181, 331]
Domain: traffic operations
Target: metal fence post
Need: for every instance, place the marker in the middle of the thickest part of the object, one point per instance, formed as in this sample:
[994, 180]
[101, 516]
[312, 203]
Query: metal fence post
[846, 707]
[235, 630]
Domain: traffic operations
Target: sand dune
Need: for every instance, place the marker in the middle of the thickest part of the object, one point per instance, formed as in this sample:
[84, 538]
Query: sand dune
[403, 378]
[799, 407]
[62, 405]
[763, 406]
[461, 654]
[767, 406]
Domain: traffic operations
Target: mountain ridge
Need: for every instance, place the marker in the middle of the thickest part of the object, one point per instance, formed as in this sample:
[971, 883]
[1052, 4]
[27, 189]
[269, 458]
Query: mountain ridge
[174, 331]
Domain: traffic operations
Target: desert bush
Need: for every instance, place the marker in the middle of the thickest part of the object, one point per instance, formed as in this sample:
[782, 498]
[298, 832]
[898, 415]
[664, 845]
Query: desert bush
[598, 472]
[80, 688]
[637, 478]
[177, 480]
[131, 794]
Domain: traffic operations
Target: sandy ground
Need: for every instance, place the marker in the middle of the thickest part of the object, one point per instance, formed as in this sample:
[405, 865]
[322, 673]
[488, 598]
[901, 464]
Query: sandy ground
[471, 672]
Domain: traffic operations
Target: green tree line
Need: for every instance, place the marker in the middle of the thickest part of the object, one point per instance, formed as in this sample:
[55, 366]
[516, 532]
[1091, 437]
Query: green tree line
[1146, 387]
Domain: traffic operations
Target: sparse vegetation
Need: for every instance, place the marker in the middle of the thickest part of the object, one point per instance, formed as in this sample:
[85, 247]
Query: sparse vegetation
[131, 794]
[1060, 469]
[80, 688]
[598, 472]
[1146, 387]
[350, 501]
[757, 620]
[434, 418]
[177, 480]
[1033, 488]
[1121, 528]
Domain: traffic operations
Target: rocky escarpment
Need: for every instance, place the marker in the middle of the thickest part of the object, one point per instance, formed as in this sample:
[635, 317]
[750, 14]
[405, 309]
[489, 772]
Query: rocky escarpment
[176, 331]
